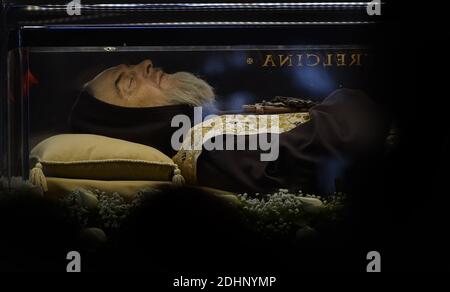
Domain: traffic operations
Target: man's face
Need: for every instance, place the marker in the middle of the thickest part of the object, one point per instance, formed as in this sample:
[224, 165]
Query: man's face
[142, 85]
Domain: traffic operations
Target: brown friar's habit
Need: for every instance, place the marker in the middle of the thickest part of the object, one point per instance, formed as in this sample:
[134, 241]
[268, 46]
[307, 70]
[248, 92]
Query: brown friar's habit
[149, 126]
[346, 127]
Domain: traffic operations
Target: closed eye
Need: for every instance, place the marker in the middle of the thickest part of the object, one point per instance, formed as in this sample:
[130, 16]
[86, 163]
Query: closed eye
[117, 82]
[131, 81]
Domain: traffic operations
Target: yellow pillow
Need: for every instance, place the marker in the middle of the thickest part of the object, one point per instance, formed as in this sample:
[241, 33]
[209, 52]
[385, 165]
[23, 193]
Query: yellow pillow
[84, 156]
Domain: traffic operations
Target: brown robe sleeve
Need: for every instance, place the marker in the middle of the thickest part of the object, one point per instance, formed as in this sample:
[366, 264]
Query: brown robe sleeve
[344, 128]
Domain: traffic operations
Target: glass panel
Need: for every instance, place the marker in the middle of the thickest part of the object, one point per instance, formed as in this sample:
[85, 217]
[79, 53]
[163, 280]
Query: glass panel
[240, 75]
[15, 131]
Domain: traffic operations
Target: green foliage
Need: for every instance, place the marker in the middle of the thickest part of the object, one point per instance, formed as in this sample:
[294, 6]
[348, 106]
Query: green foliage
[98, 208]
[279, 214]
[285, 214]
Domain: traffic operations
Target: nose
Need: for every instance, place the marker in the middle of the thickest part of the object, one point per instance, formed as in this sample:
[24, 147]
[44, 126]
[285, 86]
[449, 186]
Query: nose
[146, 67]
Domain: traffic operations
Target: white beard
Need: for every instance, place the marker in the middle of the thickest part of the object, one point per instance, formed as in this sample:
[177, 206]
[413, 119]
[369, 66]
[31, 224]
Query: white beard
[189, 89]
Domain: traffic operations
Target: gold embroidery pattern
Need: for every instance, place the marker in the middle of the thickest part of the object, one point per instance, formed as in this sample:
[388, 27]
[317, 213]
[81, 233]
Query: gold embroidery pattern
[191, 149]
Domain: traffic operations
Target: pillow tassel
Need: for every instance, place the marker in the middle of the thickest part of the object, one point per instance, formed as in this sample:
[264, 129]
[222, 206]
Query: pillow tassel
[177, 178]
[37, 177]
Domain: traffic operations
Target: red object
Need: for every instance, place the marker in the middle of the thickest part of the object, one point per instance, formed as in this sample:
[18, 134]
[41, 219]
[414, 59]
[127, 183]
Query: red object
[28, 81]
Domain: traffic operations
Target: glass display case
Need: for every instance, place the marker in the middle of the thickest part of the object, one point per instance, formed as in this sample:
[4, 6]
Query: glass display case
[101, 102]
[247, 52]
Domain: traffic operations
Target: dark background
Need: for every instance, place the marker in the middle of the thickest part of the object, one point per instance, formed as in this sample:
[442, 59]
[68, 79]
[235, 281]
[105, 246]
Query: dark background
[400, 202]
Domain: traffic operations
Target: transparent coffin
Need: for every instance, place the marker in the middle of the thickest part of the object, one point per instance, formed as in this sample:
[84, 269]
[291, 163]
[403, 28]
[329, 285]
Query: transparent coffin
[247, 54]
